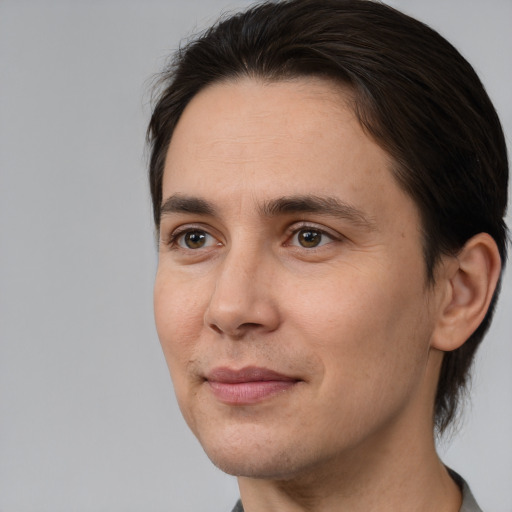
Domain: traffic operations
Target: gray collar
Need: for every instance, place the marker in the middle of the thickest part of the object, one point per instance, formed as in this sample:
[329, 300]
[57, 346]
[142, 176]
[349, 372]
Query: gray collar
[469, 503]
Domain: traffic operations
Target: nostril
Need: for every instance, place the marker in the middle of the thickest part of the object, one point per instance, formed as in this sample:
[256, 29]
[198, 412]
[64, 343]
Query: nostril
[238, 307]
[215, 328]
[249, 325]
[237, 332]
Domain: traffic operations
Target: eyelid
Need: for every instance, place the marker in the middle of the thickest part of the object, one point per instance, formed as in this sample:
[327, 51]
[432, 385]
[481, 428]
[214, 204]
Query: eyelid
[293, 229]
[170, 240]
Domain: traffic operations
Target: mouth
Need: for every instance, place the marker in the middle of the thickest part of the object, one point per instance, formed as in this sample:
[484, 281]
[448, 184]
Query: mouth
[247, 386]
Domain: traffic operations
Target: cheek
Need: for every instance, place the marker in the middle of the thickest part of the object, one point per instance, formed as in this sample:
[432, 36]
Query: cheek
[178, 317]
[368, 328]
[179, 320]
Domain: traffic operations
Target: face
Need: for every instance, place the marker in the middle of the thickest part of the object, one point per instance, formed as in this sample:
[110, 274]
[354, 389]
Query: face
[290, 297]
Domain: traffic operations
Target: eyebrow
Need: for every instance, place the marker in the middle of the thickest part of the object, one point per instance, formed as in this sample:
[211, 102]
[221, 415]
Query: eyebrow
[320, 205]
[178, 203]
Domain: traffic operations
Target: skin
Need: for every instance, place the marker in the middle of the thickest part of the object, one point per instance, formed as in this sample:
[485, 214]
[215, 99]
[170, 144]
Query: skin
[345, 312]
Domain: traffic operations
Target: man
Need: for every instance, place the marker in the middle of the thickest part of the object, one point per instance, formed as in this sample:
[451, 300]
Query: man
[329, 181]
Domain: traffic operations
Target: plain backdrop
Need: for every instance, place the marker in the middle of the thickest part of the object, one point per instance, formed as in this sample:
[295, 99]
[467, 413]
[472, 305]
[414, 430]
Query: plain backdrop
[88, 420]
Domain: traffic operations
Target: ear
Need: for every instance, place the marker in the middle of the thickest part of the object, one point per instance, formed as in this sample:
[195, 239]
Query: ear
[467, 282]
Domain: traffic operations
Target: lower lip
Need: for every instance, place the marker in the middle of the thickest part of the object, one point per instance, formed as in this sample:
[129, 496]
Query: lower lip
[246, 393]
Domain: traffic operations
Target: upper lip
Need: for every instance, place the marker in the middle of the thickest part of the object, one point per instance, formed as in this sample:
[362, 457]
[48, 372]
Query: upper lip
[247, 374]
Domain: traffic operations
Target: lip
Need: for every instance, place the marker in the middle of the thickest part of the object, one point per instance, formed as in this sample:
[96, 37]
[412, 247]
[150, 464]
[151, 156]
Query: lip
[249, 385]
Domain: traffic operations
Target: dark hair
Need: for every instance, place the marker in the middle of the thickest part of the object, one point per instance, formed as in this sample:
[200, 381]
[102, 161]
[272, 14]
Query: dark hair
[414, 94]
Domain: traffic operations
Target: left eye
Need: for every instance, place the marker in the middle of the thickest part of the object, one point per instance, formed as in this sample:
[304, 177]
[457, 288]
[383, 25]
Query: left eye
[310, 238]
[195, 239]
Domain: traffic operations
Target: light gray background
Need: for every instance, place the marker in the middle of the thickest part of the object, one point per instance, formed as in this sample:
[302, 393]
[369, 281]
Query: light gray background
[87, 417]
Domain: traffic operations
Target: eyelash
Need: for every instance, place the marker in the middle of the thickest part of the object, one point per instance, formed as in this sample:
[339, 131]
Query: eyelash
[173, 241]
[296, 229]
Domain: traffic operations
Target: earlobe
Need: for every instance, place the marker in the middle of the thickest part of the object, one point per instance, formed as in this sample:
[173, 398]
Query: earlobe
[469, 280]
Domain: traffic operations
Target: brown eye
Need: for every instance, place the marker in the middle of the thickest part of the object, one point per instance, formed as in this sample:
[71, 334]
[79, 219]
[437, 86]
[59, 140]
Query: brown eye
[195, 240]
[309, 238]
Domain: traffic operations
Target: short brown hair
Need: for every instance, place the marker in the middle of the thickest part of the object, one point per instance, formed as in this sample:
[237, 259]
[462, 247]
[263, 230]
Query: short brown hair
[415, 95]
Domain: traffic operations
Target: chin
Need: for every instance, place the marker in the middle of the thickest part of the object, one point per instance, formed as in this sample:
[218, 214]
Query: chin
[272, 468]
[253, 459]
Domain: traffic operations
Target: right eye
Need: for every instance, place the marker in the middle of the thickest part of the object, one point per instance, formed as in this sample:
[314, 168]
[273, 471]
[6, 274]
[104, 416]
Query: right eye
[194, 239]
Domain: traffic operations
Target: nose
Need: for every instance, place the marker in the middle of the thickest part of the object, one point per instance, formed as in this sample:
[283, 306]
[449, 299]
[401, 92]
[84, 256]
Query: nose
[243, 299]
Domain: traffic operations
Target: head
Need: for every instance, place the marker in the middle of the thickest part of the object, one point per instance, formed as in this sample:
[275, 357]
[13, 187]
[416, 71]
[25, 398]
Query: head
[411, 93]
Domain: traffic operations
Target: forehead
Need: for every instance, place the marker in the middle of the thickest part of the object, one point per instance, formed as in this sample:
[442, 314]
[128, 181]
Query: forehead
[259, 140]
[246, 116]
